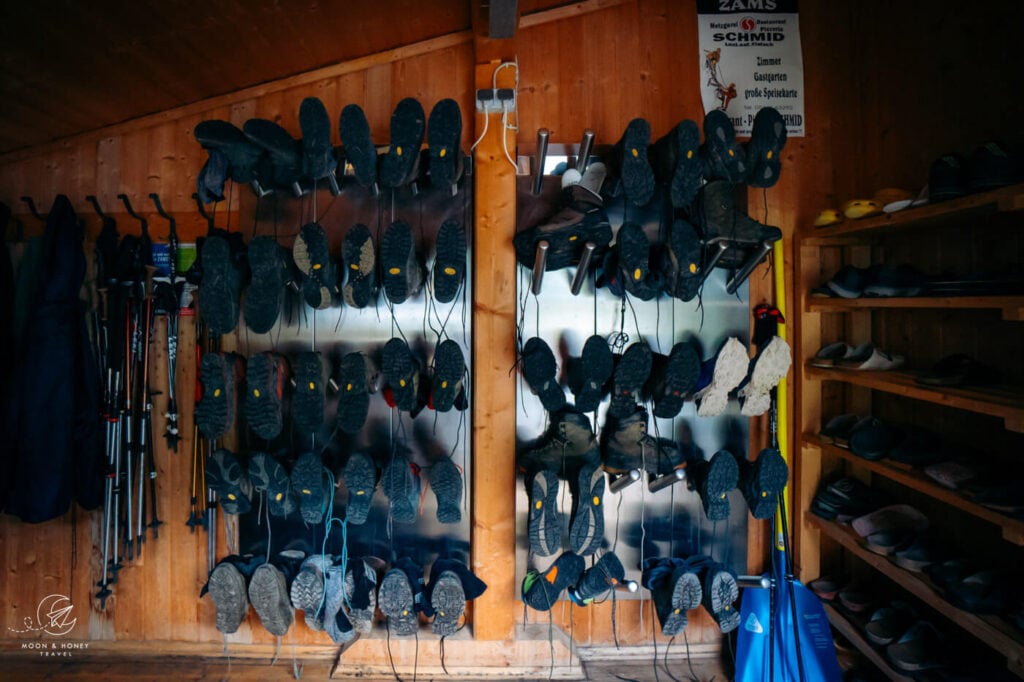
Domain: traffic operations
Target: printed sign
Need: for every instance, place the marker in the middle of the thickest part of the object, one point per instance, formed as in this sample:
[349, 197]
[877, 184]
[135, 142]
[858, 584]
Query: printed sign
[750, 58]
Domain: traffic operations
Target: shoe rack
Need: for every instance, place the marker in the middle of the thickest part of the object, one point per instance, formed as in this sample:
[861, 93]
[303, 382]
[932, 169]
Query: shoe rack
[972, 234]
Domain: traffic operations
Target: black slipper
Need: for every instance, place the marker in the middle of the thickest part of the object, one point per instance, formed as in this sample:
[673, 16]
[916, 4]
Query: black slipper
[400, 164]
[357, 144]
[444, 132]
[450, 263]
[959, 370]
[360, 261]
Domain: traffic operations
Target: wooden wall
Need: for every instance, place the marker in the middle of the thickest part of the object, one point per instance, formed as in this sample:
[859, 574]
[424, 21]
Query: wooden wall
[873, 120]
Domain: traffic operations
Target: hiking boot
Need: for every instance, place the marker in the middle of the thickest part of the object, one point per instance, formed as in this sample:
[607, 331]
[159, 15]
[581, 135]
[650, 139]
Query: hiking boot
[769, 368]
[283, 150]
[612, 275]
[676, 161]
[446, 482]
[449, 373]
[598, 580]
[580, 219]
[723, 222]
[403, 273]
[336, 623]
[763, 152]
[242, 156]
[401, 374]
[402, 488]
[310, 485]
[628, 162]
[307, 590]
[265, 376]
[318, 160]
[720, 376]
[586, 521]
[450, 586]
[541, 374]
[228, 590]
[400, 165]
[265, 294]
[268, 594]
[723, 157]
[567, 445]
[360, 261]
[308, 399]
[720, 594]
[400, 596]
[543, 527]
[226, 477]
[313, 259]
[444, 134]
[626, 445]
[357, 145]
[356, 379]
[220, 374]
[675, 589]
[361, 593]
[360, 480]
[588, 374]
[713, 479]
[268, 476]
[682, 261]
[673, 379]
[762, 480]
[221, 287]
[450, 263]
[542, 589]
[631, 373]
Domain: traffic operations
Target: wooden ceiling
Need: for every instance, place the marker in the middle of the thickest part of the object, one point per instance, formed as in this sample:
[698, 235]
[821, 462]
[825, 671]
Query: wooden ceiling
[68, 66]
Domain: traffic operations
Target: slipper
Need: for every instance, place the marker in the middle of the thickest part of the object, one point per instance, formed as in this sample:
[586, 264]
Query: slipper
[767, 138]
[828, 355]
[856, 356]
[889, 623]
[360, 481]
[950, 474]
[896, 517]
[360, 262]
[828, 216]
[848, 282]
[922, 552]
[920, 648]
[947, 178]
[838, 426]
[357, 144]
[983, 592]
[825, 588]
[444, 132]
[855, 209]
[918, 447]
[886, 282]
[887, 542]
[872, 439]
[855, 599]
[959, 370]
[841, 438]
[879, 361]
[399, 166]
[847, 498]
[1005, 497]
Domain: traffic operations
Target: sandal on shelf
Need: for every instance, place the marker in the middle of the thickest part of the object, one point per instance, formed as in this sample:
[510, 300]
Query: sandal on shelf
[919, 649]
[825, 588]
[876, 360]
[872, 439]
[893, 518]
[855, 599]
[890, 622]
[838, 426]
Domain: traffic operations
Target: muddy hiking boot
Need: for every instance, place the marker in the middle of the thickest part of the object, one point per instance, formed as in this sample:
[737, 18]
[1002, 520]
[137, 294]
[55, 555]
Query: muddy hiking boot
[676, 161]
[307, 589]
[221, 285]
[444, 135]
[220, 375]
[580, 219]
[269, 476]
[318, 160]
[598, 580]
[675, 588]
[336, 622]
[308, 397]
[673, 379]
[586, 519]
[265, 294]
[682, 261]
[400, 164]
[541, 589]
[626, 445]
[719, 376]
[713, 479]
[401, 266]
[762, 480]
[357, 378]
[450, 586]
[723, 157]
[449, 270]
[401, 597]
[628, 162]
[320, 273]
[588, 374]
[357, 145]
[226, 476]
[567, 445]
[228, 588]
[631, 373]
[763, 151]
[283, 150]
[768, 368]
[265, 377]
[269, 594]
[401, 375]
[540, 370]
[359, 258]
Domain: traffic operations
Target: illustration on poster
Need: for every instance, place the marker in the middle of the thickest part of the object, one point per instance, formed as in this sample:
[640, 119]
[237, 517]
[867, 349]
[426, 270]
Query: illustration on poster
[724, 93]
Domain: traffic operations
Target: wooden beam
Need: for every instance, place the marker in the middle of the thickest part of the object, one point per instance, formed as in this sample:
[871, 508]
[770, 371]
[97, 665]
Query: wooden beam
[502, 18]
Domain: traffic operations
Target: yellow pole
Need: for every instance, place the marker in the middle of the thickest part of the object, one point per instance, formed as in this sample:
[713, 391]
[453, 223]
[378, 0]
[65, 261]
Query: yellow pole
[778, 256]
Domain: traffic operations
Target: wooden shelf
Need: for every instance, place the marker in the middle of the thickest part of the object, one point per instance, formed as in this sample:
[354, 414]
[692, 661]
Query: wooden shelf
[991, 630]
[1012, 307]
[1012, 529]
[1005, 402]
[850, 632]
[930, 215]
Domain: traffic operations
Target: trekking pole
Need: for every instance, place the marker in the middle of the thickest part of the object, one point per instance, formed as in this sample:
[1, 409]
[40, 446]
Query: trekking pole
[116, 561]
[171, 430]
[127, 426]
[145, 332]
[193, 516]
[108, 490]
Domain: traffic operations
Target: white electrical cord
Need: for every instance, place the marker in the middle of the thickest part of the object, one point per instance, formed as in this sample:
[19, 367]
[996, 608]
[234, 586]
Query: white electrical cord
[505, 126]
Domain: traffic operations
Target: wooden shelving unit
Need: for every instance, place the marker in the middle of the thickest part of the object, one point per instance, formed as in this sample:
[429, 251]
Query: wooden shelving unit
[991, 630]
[1011, 307]
[1012, 529]
[851, 633]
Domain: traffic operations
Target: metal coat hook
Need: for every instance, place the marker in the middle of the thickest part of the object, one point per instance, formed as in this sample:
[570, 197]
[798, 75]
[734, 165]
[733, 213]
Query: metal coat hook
[627, 479]
[540, 261]
[741, 275]
[656, 483]
[202, 211]
[582, 268]
[585, 146]
[542, 153]
[32, 208]
[128, 207]
[91, 198]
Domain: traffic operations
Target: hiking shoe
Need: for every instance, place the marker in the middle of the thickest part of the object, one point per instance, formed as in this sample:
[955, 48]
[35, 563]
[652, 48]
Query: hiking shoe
[545, 531]
[403, 274]
[220, 289]
[449, 371]
[542, 590]
[401, 374]
[307, 590]
[682, 263]
[722, 222]
[309, 484]
[540, 371]
[264, 393]
[762, 480]
[763, 152]
[450, 263]
[360, 261]
[634, 254]
[673, 379]
[268, 476]
[318, 160]
[444, 133]
[631, 372]
[358, 147]
[226, 477]
[713, 479]
[312, 257]
[723, 158]
[676, 161]
[628, 161]
[769, 368]
[308, 400]
[268, 594]
[336, 623]
[402, 487]
[567, 445]
[446, 482]
[580, 219]
[588, 374]
[598, 580]
[242, 156]
[355, 379]
[228, 590]
[720, 594]
[626, 445]
[360, 481]
[265, 294]
[721, 376]
[220, 374]
[361, 594]
[397, 599]
[675, 589]
[586, 521]
[283, 150]
[448, 602]
[400, 165]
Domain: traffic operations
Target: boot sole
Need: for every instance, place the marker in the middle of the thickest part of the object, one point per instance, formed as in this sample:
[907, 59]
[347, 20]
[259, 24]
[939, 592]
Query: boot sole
[722, 476]
[362, 619]
[687, 251]
[682, 373]
[730, 369]
[218, 297]
[313, 259]
[360, 481]
[688, 172]
[308, 400]
[396, 603]
[539, 370]
[263, 396]
[770, 368]
[397, 254]
[686, 595]
[450, 263]
[333, 612]
[400, 373]
[721, 595]
[318, 155]
[224, 474]
[215, 412]
[546, 590]
[269, 476]
[269, 596]
[634, 252]
[408, 123]
[446, 482]
[723, 155]
[449, 603]
[360, 260]
[444, 133]
[449, 369]
[398, 486]
[768, 477]
[354, 131]
[227, 589]
[586, 531]
[598, 363]
[633, 370]
[544, 529]
[307, 483]
[637, 175]
[307, 590]
[601, 577]
[767, 138]
[354, 397]
[265, 294]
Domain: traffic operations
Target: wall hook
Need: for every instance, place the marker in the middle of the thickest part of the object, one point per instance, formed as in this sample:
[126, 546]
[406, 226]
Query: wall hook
[540, 262]
[91, 198]
[583, 158]
[202, 211]
[128, 207]
[32, 208]
[542, 154]
[582, 268]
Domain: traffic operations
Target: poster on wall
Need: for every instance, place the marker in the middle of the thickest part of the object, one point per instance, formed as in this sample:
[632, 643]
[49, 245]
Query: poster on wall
[750, 58]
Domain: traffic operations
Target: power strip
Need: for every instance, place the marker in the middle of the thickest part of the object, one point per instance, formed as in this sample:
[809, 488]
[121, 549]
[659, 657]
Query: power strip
[490, 100]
